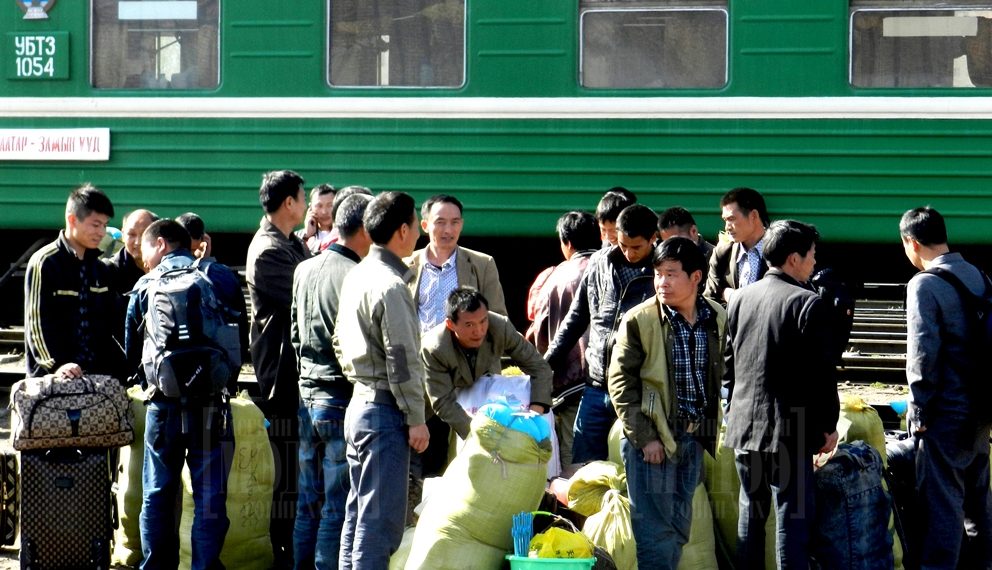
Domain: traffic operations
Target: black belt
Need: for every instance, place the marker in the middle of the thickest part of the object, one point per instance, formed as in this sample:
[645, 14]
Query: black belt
[383, 397]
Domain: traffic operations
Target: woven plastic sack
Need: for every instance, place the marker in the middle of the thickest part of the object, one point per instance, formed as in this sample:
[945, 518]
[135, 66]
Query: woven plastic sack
[590, 484]
[499, 472]
[398, 560]
[611, 530]
[249, 495]
[860, 422]
[700, 552]
[560, 543]
[723, 487]
[616, 434]
[127, 536]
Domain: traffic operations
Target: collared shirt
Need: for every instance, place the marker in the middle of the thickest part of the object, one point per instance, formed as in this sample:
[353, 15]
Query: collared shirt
[690, 354]
[436, 283]
[749, 263]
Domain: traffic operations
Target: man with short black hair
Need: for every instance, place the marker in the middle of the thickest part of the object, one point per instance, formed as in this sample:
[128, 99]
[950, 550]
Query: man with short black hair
[377, 342]
[664, 381]
[547, 305]
[273, 255]
[610, 205]
[444, 265]
[952, 461]
[68, 296]
[193, 431]
[470, 344]
[324, 390]
[738, 262]
[199, 238]
[677, 221]
[782, 396]
[615, 280]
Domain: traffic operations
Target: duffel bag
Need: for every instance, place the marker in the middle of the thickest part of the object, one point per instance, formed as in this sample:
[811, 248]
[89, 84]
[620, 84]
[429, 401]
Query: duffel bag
[91, 411]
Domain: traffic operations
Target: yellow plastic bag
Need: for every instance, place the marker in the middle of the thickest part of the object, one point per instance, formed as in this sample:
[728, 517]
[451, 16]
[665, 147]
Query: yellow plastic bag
[560, 543]
[610, 529]
[590, 484]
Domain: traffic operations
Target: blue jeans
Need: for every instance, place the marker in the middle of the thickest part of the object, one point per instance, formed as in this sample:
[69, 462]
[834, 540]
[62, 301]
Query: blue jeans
[593, 422]
[661, 500]
[207, 447]
[788, 476]
[323, 484]
[378, 470]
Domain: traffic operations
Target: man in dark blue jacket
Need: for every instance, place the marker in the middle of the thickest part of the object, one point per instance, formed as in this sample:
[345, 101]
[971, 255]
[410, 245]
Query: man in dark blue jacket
[195, 431]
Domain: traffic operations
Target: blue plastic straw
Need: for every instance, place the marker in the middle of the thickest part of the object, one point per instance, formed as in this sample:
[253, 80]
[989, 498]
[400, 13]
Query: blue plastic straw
[522, 531]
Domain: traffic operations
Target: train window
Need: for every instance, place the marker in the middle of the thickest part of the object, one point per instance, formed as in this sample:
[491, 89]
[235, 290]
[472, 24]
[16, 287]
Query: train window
[167, 44]
[648, 45]
[916, 43]
[396, 43]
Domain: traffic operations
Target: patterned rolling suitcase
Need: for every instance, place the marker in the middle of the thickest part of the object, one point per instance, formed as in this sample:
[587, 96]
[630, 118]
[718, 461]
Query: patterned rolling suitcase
[8, 495]
[66, 509]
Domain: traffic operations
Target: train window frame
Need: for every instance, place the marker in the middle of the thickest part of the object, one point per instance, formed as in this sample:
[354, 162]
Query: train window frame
[721, 8]
[856, 8]
[327, 60]
[93, 44]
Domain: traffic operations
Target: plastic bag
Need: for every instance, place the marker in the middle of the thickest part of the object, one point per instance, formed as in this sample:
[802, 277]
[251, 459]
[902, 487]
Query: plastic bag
[560, 543]
[590, 484]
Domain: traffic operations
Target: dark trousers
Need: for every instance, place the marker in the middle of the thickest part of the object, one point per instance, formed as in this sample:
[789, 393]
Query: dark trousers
[952, 473]
[787, 478]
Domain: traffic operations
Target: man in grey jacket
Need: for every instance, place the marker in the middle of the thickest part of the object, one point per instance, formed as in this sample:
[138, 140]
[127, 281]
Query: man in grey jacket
[377, 342]
[324, 391]
[952, 464]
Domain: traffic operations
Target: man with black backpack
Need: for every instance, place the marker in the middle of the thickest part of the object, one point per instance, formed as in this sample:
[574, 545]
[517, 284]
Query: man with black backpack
[949, 388]
[184, 330]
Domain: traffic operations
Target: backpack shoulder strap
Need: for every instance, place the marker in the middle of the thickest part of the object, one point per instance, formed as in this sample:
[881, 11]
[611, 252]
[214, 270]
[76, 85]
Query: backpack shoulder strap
[966, 295]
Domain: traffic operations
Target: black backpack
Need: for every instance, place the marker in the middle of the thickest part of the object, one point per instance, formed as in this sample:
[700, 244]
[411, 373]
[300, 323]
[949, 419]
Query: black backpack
[840, 299]
[192, 345]
[978, 312]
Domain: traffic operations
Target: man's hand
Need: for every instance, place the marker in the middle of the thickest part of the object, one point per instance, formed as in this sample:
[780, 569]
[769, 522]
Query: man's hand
[69, 370]
[654, 452]
[310, 223]
[419, 437]
[538, 408]
[831, 442]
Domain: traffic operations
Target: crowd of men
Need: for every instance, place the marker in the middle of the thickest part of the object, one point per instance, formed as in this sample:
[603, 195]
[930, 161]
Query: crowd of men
[361, 344]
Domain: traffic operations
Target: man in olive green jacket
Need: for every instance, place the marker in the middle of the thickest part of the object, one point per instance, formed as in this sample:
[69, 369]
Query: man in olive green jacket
[664, 380]
[470, 344]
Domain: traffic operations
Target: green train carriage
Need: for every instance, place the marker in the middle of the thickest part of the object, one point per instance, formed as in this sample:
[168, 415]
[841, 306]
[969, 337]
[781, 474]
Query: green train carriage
[842, 113]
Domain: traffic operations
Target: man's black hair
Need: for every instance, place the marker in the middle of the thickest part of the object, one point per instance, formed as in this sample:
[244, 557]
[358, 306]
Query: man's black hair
[680, 249]
[638, 221]
[387, 213]
[276, 187]
[465, 299]
[425, 208]
[579, 230]
[321, 190]
[612, 203]
[343, 194]
[924, 225]
[193, 224]
[169, 230]
[627, 194]
[676, 217]
[747, 200]
[785, 237]
[350, 214]
[88, 199]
